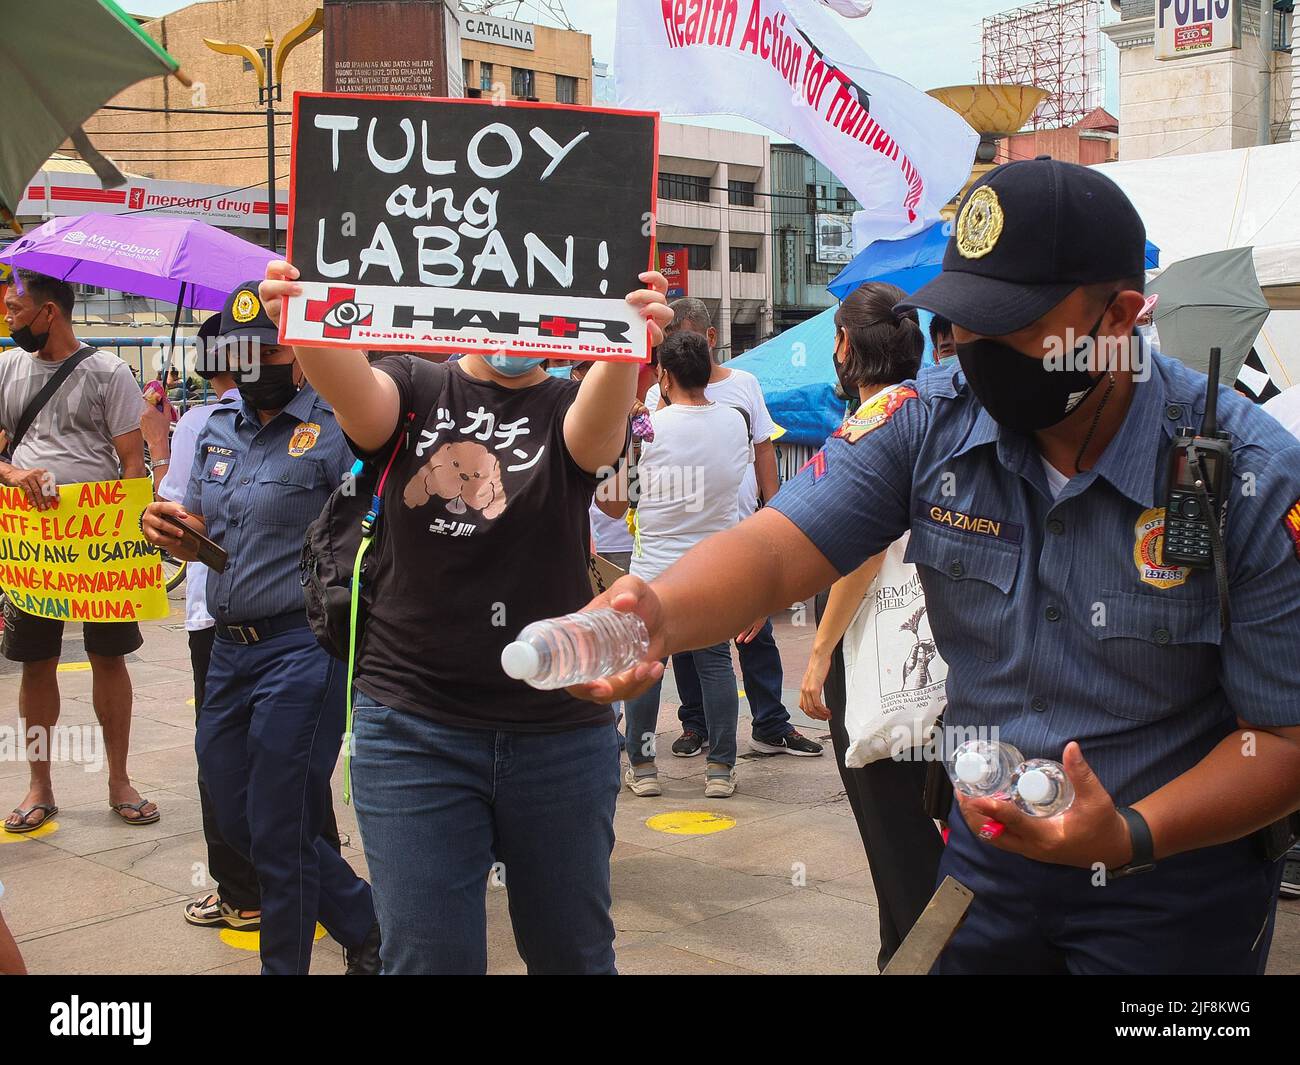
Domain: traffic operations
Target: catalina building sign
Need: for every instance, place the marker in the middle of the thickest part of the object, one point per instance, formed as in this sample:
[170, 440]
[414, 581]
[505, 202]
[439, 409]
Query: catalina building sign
[499, 31]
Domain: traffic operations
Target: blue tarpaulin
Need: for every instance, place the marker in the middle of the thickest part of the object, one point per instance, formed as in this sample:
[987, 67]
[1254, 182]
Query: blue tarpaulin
[797, 373]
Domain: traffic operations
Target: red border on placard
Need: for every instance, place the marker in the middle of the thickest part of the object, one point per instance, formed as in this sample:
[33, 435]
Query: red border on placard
[293, 188]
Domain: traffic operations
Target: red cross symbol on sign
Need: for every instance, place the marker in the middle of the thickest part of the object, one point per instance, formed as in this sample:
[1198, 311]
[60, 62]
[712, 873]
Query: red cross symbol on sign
[338, 313]
[558, 327]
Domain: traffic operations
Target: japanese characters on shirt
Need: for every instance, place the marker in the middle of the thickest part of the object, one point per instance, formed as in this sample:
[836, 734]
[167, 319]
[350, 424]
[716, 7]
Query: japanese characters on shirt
[466, 226]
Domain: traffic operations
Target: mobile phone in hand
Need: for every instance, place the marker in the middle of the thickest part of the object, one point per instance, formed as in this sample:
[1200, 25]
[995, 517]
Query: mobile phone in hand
[209, 552]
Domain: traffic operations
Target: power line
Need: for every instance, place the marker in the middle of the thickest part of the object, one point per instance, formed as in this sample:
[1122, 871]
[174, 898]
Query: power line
[188, 111]
[205, 129]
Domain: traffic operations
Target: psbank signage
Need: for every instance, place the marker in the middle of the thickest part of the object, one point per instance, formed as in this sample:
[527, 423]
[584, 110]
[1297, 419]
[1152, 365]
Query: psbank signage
[1196, 27]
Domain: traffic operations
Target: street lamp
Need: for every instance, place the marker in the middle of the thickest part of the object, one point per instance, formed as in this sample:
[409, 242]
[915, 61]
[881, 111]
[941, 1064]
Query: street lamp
[270, 85]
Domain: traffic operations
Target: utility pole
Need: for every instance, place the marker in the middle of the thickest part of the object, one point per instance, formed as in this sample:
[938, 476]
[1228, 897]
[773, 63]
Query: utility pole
[1265, 72]
[270, 91]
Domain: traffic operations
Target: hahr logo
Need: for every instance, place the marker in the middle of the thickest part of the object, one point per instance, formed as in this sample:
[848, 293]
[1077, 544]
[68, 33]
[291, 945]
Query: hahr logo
[77, 236]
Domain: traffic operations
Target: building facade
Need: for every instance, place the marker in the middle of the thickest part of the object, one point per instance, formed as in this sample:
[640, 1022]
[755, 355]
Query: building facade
[1204, 101]
[713, 197]
[812, 234]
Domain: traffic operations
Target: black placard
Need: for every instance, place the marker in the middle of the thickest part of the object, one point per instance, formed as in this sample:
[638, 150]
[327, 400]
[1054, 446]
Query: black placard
[470, 226]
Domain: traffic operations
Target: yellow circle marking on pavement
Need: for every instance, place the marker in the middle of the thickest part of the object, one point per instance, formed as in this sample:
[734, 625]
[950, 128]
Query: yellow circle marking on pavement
[690, 823]
[253, 940]
[74, 667]
[47, 828]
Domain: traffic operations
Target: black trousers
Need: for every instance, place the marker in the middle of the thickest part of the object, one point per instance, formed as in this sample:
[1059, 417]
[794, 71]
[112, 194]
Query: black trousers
[902, 844]
[231, 873]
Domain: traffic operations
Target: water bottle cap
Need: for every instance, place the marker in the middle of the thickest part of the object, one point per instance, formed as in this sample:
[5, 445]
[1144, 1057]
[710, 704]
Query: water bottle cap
[1036, 787]
[971, 767]
[520, 660]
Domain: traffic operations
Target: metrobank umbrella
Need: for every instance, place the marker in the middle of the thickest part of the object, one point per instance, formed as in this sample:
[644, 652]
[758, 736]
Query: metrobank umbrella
[60, 60]
[1210, 301]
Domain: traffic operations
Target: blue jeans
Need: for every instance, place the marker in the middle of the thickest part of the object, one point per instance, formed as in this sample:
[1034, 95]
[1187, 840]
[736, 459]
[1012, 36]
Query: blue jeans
[711, 668]
[267, 742]
[439, 806]
[760, 665]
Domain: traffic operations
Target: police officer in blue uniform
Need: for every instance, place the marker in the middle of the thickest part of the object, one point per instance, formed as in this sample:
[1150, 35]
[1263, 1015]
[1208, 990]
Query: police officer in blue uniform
[1033, 480]
[272, 720]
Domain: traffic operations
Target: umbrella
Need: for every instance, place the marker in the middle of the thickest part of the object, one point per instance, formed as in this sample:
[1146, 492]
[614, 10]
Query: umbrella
[180, 260]
[60, 60]
[1210, 301]
[913, 261]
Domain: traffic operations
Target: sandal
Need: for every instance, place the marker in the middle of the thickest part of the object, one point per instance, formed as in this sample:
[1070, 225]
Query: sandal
[211, 912]
[48, 809]
[138, 807]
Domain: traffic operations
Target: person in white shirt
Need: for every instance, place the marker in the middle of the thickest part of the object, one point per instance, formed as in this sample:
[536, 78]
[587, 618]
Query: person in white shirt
[236, 901]
[690, 479]
[760, 660]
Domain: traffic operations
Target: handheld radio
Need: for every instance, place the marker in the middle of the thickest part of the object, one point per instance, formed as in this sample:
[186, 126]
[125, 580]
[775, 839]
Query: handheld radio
[1200, 468]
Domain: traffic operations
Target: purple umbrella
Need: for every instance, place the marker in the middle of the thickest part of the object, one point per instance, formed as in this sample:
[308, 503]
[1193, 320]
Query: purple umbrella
[180, 260]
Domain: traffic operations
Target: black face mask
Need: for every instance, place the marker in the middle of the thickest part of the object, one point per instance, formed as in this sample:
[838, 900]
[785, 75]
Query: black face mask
[273, 390]
[1021, 392]
[29, 341]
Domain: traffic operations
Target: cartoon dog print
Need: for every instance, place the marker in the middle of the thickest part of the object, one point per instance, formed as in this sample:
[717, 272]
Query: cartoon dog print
[465, 474]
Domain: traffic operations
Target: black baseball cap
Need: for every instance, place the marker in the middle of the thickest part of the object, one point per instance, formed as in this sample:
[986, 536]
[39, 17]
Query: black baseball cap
[1026, 236]
[210, 356]
[244, 316]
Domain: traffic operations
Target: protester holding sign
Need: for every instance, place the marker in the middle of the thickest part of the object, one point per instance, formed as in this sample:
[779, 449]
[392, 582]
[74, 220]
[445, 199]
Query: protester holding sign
[70, 414]
[457, 767]
[273, 704]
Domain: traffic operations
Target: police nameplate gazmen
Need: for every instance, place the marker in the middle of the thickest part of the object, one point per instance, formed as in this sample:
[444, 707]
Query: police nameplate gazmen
[1036, 497]
[468, 227]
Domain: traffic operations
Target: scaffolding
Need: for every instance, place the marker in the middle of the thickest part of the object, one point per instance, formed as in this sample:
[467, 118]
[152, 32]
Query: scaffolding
[1054, 45]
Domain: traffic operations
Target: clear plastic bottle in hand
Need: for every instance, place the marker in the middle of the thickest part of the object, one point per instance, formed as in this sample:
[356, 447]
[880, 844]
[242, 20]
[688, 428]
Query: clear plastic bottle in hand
[1040, 788]
[576, 648]
[981, 768]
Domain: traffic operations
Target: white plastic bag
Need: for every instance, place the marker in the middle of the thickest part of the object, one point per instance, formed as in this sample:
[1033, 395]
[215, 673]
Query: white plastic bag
[894, 677]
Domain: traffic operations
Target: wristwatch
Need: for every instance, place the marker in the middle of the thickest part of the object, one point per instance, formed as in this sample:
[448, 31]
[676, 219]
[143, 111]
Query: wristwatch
[1143, 859]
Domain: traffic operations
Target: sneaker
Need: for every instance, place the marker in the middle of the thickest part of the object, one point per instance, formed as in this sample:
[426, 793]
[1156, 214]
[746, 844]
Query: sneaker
[646, 785]
[211, 912]
[1291, 874]
[689, 744]
[364, 960]
[793, 742]
[721, 786]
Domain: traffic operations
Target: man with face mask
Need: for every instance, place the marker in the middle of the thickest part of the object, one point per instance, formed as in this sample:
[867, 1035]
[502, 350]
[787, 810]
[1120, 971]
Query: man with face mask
[1033, 481]
[272, 717]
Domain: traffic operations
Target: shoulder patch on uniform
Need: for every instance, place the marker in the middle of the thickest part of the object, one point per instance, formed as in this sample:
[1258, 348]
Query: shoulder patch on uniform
[1292, 523]
[304, 438]
[1149, 555]
[874, 413]
[818, 464]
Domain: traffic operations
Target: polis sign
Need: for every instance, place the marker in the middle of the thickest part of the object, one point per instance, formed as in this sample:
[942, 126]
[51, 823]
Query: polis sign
[1196, 27]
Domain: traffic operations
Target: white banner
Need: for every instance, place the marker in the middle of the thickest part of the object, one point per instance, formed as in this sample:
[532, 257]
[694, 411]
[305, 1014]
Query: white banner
[834, 241]
[789, 65]
[59, 194]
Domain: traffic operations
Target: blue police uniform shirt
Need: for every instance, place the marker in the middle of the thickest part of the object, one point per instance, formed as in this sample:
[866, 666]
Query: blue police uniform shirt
[257, 488]
[1056, 618]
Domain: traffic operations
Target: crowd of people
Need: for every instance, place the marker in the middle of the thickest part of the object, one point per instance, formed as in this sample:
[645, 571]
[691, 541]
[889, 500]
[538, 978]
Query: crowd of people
[1008, 493]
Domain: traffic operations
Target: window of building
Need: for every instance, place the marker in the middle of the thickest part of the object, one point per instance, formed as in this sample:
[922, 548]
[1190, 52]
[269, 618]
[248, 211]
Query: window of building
[566, 89]
[740, 193]
[521, 82]
[744, 260]
[818, 273]
[687, 187]
[844, 200]
[699, 256]
[485, 77]
[467, 73]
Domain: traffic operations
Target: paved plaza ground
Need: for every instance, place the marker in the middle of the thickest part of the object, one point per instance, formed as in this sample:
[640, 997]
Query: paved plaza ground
[785, 889]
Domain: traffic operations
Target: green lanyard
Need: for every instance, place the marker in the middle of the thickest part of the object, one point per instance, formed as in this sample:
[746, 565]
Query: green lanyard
[366, 541]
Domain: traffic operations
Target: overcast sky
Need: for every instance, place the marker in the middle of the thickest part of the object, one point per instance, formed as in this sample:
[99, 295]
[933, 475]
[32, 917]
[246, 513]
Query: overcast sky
[929, 43]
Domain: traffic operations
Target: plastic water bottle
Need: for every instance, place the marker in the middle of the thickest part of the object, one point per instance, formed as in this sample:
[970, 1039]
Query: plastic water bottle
[980, 768]
[576, 649]
[1041, 789]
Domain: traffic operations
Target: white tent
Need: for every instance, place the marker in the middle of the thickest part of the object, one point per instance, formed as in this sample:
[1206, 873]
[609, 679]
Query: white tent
[1246, 197]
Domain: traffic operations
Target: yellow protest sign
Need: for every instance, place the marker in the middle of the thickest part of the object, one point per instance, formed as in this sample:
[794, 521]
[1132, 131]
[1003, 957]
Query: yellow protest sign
[85, 560]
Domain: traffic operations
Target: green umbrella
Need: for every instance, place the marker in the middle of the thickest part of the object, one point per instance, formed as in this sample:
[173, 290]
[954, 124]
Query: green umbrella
[1210, 301]
[60, 60]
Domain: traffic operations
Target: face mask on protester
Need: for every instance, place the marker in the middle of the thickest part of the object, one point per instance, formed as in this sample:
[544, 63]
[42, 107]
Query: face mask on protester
[513, 365]
[28, 340]
[844, 389]
[273, 389]
[1022, 393]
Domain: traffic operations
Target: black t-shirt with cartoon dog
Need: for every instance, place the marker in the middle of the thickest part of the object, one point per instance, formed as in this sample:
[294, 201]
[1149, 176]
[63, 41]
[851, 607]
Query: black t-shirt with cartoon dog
[485, 530]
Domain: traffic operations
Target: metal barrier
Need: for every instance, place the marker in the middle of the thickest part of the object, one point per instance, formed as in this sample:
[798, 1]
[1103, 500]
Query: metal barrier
[146, 360]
